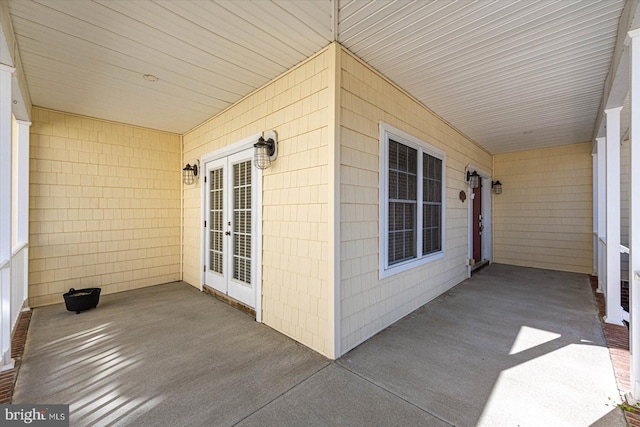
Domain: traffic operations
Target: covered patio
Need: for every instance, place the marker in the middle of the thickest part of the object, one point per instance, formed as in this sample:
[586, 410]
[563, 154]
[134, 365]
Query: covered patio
[329, 167]
[509, 346]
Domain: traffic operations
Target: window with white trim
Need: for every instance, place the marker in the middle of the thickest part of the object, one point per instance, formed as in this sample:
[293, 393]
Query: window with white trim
[412, 204]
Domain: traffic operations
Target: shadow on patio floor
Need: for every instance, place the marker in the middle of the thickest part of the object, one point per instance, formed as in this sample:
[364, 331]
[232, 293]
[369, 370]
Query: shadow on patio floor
[510, 346]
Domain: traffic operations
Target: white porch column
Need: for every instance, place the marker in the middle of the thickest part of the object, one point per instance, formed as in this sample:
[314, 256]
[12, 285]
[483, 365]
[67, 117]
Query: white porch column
[5, 216]
[594, 188]
[23, 200]
[602, 214]
[23, 182]
[634, 214]
[614, 309]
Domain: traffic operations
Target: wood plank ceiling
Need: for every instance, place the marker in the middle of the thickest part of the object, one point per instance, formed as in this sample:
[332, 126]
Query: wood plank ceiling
[512, 75]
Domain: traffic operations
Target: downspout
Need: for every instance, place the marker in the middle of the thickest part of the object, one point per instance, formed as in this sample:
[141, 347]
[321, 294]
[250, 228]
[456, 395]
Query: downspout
[334, 297]
[181, 210]
[493, 210]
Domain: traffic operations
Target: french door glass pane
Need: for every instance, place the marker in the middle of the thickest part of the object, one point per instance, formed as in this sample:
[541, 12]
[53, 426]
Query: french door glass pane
[242, 222]
[216, 220]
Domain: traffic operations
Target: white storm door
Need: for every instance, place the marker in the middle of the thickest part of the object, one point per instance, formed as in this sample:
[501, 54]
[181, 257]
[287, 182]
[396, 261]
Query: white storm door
[231, 226]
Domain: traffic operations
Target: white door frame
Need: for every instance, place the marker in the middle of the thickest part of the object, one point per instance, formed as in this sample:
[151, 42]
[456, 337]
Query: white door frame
[237, 147]
[487, 217]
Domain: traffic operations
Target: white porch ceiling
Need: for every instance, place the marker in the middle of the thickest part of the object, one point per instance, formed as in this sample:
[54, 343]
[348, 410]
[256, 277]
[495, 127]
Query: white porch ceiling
[512, 75]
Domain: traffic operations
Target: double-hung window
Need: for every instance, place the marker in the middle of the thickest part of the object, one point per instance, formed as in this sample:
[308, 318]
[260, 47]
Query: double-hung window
[412, 178]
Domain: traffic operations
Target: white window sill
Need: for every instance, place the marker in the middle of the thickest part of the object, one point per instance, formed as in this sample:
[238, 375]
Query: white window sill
[411, 264]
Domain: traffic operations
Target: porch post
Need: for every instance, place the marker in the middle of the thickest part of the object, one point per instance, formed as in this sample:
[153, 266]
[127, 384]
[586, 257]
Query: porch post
[22, 208]
[594, 216]
[602, 215]
[634, 213]
[5, 216]
[614, 308]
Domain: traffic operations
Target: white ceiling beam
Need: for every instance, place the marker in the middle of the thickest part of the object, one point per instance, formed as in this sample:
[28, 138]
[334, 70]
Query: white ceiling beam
[335, 22]
[7, 40]
[10, 55]
[616, 86]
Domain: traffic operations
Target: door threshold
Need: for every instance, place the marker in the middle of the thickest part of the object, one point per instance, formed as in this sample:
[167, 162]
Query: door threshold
[479, 266]
[230, 301]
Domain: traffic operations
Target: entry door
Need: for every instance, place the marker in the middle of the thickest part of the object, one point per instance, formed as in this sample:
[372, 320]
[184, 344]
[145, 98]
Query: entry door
[478, 226]
[230, 227]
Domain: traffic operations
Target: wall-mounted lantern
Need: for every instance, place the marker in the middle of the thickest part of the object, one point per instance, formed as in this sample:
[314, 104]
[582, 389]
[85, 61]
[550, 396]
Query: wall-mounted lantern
[191, 172]
[473, 179]
[497, 187]
[266, 150]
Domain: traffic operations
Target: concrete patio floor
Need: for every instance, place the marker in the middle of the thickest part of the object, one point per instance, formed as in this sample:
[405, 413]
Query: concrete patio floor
[511, 346]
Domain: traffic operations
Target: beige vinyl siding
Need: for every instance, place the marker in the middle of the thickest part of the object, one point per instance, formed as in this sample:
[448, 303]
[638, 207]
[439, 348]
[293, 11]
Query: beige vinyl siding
[104, 206]
[369, 304]
[543, 218]
[295, 253]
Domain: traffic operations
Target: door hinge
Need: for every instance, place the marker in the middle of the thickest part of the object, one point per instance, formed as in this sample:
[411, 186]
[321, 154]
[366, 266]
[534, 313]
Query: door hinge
[204, 268]
[205, 179]
[205, 224]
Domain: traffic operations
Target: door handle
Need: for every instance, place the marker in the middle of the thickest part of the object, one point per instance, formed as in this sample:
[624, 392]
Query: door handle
[227, 233]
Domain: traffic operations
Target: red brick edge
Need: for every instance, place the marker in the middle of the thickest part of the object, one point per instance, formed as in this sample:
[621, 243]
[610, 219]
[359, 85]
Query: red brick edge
[617, 338]
[8, 378]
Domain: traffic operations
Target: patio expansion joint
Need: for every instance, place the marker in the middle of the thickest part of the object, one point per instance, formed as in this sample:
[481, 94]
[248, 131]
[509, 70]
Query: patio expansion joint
[283, 393]
[394, 394]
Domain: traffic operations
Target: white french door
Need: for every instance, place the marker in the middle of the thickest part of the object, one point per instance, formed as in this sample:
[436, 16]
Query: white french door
[230, 226]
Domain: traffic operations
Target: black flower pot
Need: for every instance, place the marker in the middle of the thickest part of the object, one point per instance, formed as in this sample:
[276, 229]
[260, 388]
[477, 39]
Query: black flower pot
[81, 299]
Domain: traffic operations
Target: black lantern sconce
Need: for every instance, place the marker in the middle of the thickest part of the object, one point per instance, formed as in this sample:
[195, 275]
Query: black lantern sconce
[473, 179]
[191, 172]
[497, 187]
[266, 150]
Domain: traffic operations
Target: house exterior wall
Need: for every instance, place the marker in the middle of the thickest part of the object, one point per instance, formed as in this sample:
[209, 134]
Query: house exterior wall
[295, 285]
[106, 199]
[104, 206]
[369, 304]
[543, 218]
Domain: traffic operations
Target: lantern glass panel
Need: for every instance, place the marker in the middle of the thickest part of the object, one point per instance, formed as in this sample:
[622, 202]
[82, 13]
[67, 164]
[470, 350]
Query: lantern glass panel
[187, 175]
[497, 188]
[261, 158]
[474, 180]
